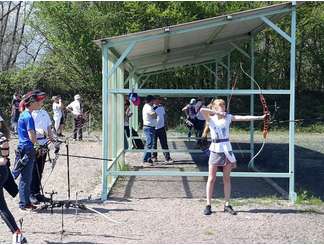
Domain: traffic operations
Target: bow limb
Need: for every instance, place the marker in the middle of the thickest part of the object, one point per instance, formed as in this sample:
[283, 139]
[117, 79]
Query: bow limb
[266, 121]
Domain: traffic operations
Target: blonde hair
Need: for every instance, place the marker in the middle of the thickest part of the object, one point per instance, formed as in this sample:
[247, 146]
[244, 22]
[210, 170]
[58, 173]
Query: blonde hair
[218, 102]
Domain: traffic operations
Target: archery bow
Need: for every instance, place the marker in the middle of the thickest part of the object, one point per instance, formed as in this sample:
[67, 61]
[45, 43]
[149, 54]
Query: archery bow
[266, 121]
[53, 161]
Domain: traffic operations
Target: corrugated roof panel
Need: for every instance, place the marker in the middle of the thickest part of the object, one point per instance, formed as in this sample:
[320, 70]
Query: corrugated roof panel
[200, 40]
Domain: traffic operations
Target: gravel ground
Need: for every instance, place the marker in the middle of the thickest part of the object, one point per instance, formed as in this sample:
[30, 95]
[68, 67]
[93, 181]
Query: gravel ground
[169, 209]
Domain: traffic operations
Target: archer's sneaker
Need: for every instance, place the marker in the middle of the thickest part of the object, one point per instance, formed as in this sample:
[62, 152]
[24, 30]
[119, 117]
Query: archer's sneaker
[18, 238]
[229, 209]
[207, 210]
[154, 159]
[149, 162]
[169, 161]
[28, 207]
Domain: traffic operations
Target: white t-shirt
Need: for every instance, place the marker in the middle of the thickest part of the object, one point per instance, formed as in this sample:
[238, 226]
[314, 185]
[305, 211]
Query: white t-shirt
[42, 122]
[76, 107]
[160, 111]
[57, 111]
[199, 115]
[148, 120]
[219, 129]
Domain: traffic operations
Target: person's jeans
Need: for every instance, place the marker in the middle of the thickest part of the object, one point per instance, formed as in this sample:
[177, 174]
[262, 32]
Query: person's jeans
[4, 211]
[149, 133]
[26, 176]
[161, 135]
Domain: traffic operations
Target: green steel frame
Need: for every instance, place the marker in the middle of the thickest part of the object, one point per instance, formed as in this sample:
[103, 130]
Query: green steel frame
[113, 92]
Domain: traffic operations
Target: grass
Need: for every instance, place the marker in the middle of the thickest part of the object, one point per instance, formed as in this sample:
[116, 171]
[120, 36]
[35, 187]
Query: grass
[306, 198]
[123, 166]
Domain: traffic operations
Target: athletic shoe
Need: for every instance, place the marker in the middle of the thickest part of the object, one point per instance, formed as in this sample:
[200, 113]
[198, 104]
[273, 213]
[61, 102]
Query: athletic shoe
[154, 159]
[28, 207]
[148, 162]
[34, 200]
[229, 209]
[39, 198]
[169, 161]
[207, 210]
[18, 238]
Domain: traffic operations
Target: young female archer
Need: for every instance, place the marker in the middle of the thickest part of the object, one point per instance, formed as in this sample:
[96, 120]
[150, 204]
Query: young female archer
[221, 154]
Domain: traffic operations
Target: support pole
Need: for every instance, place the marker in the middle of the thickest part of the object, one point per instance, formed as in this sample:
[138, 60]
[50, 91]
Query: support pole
[252, 99]
[105, 114]
[292, 193]
[228, 73]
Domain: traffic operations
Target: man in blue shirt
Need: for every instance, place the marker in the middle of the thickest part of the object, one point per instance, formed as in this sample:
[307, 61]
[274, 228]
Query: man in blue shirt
[25, 156]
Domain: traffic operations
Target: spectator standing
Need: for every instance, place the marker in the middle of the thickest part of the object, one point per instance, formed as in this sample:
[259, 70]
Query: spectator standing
[149, 124]
[160, 131]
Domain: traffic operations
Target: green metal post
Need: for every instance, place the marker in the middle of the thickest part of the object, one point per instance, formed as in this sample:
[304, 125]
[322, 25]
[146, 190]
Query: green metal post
[228, 73]
[292, 193]
[136, 109]
[114, 114]
[252, 99]
[216, 76]
[105, 114]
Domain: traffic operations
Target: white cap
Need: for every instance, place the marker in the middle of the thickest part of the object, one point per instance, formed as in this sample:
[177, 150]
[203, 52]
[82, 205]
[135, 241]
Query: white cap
[77, 97]
[192, 101]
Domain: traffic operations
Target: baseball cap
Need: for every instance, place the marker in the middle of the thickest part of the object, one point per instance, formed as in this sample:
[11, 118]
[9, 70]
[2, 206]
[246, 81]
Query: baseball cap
[192, 101]
[134, 98]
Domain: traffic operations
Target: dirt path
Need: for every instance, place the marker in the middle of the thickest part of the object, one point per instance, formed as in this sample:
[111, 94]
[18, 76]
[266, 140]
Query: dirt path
[165, 210]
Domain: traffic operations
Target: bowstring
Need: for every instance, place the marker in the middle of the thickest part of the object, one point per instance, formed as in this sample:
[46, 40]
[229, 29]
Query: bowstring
[251, 162]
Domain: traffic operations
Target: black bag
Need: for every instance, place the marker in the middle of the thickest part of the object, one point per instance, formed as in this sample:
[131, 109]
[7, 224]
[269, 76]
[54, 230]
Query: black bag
[137, 143]
[10, 186]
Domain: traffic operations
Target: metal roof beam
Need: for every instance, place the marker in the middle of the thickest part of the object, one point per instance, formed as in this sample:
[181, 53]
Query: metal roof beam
[120, 60]
[212, 72]
[240, 50]
[190, 48]
[180, 62]
[198, 26]
[204, 92]
[210, 40]
[173, 68]
[276, 28]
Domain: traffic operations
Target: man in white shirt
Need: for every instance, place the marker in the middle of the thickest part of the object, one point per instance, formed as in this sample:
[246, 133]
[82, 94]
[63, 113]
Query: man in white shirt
[76, 108]
[58, 115]
[43, 125]
[160, 131]
[149, 124]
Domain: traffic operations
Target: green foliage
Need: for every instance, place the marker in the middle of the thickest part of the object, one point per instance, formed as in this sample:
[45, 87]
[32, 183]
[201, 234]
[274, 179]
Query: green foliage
[182, 129]
[123, 166]
[304, 197]
[73, 63]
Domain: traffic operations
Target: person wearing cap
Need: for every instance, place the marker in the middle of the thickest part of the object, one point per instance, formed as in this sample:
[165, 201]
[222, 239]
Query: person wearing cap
[43, 126]
[200, 120]
[149, 124]
[15, 111]
[77, 110]
[127, 115]
[7, 182]
[25, 153]
[58, 115]
[190, 111]
[160, 131]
